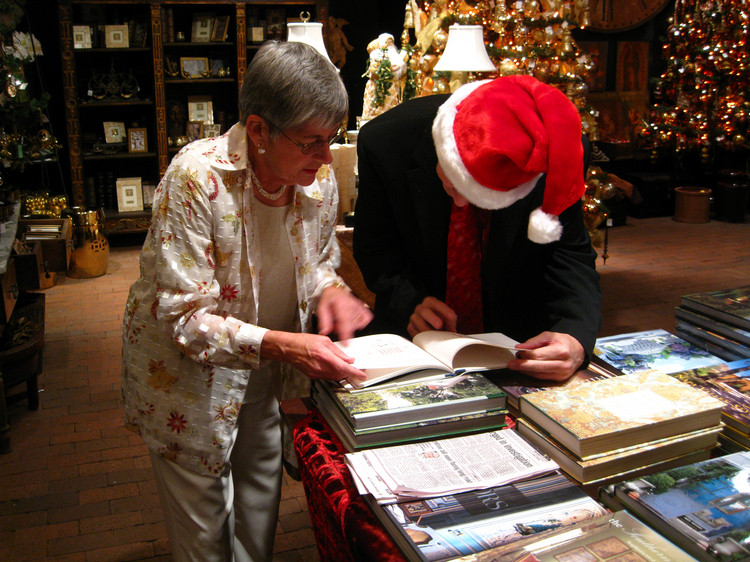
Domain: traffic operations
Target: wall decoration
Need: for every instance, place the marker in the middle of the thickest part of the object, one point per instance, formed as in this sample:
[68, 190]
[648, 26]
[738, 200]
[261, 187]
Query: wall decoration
[632, 66]
[598, 51]
[200, 108]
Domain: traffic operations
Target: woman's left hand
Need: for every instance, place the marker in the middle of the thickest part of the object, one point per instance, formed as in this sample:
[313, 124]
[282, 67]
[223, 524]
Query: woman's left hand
[549, 356]
[341, 312]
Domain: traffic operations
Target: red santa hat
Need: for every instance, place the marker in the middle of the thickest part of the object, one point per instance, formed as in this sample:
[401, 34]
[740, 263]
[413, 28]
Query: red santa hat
[495, 138]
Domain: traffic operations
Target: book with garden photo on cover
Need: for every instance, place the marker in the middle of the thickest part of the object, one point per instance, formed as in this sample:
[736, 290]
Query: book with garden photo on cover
[432, 353]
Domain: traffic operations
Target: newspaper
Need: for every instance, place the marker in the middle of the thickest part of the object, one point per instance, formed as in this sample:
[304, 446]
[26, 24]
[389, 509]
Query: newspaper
[446, 466]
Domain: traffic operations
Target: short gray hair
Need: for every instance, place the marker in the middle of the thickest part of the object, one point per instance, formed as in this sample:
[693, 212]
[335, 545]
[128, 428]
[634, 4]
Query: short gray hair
[290, 84]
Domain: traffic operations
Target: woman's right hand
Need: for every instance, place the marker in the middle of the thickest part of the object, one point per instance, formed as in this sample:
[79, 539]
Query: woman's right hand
[314, 355]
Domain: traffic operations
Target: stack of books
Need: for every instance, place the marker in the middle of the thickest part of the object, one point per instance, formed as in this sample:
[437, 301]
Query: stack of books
[410, 411]
[615, 428]
[692, 364]
[432, 387]
[704, 508]
[718, 321]
[461, 496]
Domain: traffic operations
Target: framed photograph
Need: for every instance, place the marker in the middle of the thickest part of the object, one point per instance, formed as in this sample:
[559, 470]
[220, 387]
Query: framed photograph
[137, 141]
[129, 194]
[220, 29]
[194, 130]
[81, 37]
[200, 108]
[211, 130]
[148, 194]
[114, 132]
[632, 66]
[202, 27]
[217, 67]
[116, 36]
[599, 53]
[194, 67]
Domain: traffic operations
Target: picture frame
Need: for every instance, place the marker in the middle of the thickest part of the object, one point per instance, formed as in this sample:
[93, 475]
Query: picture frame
[81, 37]
[275, 23]
[116, 37]
[114, 132]
[202, 27]
[217, 67]
[193, 68]
[211, 130]
[194, 130]
[137, 140]
[632, 66]
[200, 108]
[129, 194]
[220, 29]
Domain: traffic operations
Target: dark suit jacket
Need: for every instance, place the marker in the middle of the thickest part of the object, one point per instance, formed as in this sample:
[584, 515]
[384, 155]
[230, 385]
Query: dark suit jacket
[400, 240]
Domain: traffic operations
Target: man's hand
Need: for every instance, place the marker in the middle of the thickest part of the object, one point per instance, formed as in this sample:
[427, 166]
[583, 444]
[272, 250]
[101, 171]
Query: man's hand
[432, 314]
[341, 312]
[549, 356]
[315, 356]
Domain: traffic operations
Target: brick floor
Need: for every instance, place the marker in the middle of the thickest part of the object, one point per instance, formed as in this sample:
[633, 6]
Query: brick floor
[77, 487]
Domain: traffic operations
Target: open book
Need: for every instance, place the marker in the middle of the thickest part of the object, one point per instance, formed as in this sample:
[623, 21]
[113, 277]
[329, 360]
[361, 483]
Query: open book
[433, 353]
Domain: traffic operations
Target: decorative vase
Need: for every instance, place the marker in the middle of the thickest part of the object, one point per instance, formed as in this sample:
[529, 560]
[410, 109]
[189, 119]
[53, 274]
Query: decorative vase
[90, 245]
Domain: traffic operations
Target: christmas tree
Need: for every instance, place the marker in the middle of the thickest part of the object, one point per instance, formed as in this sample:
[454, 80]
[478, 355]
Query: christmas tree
[702, 112]
[24, 130]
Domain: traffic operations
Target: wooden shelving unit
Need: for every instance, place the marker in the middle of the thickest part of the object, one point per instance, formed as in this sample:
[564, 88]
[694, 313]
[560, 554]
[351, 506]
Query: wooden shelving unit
[151, 66]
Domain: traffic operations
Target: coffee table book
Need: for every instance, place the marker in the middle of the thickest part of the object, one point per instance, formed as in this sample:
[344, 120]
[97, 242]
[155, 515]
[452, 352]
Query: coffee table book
[618, 537]
[428, 399]
[652, 350]
[597, 467]
[444, 527]
[703, 507]
[727, 305]
[357, 439]
[735, 333]
[603, 415]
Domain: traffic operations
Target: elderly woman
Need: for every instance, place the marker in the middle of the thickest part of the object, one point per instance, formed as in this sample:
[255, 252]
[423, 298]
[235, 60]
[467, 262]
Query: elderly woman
[240, 254]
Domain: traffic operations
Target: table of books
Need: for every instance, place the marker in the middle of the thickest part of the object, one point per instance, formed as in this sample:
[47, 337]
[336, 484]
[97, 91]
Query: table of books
[344, 526]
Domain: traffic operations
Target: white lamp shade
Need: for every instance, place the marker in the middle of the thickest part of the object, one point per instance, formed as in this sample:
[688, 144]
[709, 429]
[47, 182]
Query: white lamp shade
[465, 51]
[307, 32]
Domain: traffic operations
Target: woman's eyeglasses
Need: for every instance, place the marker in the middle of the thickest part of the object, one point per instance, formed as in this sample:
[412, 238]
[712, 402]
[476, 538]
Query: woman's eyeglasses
[315, 146]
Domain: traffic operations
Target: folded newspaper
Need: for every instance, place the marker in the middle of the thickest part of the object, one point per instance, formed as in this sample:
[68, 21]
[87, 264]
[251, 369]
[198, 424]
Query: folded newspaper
[446, 466]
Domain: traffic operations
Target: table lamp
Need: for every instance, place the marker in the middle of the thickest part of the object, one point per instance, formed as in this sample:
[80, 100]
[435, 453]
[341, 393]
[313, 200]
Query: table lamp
[309, 32]
[465, 52]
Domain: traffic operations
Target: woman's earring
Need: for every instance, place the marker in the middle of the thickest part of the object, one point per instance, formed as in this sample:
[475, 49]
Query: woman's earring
[261, 150]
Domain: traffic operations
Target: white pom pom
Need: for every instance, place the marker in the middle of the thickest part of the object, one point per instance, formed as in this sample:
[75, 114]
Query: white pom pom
[543, 227]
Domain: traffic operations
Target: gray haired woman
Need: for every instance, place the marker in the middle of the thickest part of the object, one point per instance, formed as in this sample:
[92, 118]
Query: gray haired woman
[240, 254]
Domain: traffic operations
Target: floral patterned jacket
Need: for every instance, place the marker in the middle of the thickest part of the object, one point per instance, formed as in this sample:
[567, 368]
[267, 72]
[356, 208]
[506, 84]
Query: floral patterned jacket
[190, 342]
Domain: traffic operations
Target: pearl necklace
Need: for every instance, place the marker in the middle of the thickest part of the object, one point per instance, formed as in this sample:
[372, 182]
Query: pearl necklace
[263, 192]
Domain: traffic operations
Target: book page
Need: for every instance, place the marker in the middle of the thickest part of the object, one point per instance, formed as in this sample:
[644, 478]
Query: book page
[383, 356]
[473, 353]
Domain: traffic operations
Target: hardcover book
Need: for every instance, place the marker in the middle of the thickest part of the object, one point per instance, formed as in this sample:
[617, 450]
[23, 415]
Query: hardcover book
[704, 507]
[443, 527]
[619, 537]
[598, 467]
[604, 415]
[725, 329]
[384, 356]
[652, 349]
[728, 305]
[713, 341]
[356, 439]
[436, 397]
[729, 383]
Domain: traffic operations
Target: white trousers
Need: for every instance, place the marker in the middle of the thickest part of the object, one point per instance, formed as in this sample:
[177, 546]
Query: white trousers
[231, 518]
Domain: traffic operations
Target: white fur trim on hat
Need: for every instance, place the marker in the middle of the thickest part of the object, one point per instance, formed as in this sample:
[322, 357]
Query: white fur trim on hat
[543, 227]
[454, 168]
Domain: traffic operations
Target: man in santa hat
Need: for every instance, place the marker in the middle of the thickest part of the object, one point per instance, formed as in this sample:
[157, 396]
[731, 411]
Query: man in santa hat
[468, 219]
